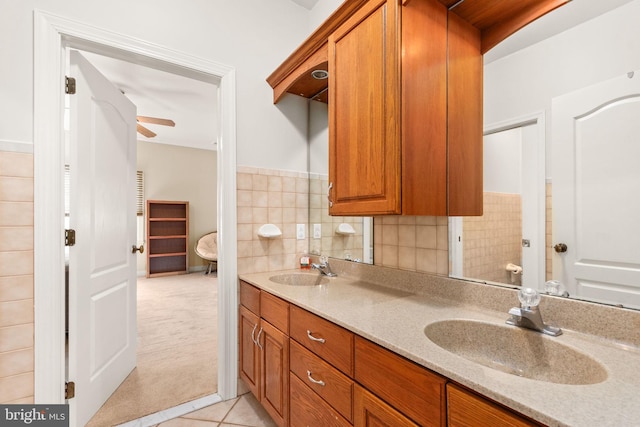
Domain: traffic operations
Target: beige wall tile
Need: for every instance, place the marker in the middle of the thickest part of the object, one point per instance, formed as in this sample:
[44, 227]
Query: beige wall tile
[16, 263]
[244, 181]
[16, 214]
[426, 236]
[245, 198]
[16, 387]
[407, 258]
[16, 164]
[407, 235]
[288, 184]
[426, 260]
[16, 238]
[274, 184]
[16, 337]
[22, 401]
[259, 182]
[16, 312]
[16, 288]
[16, 189]
[16, 362]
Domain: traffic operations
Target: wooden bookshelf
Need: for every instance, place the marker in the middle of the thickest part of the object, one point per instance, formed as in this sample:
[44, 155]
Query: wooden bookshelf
[167, 238]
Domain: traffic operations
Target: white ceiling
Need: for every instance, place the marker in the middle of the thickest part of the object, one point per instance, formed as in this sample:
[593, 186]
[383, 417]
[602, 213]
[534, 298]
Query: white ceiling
[192, 103]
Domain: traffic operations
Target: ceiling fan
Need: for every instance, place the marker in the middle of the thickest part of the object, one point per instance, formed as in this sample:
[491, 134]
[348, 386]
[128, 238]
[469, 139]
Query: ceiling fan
[153, 120]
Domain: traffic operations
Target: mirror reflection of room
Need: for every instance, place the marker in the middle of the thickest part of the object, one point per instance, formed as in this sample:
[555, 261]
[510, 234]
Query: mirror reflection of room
[502, 245]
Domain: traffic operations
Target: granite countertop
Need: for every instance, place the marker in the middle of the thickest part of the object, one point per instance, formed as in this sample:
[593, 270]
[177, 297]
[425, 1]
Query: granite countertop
[395, 317]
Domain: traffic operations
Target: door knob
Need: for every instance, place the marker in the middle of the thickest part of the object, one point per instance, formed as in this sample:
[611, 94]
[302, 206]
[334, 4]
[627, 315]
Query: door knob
[560, 248]
[134, 249]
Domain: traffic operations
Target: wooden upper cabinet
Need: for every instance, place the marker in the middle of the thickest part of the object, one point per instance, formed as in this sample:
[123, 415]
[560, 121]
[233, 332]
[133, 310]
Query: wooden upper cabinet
[364, 131]
[405, 99]
[405, 112]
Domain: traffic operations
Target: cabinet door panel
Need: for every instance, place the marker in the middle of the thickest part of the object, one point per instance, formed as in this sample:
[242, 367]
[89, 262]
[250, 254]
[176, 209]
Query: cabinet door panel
[249, 352]
[364, 140]
[275, 373]
[424, 108]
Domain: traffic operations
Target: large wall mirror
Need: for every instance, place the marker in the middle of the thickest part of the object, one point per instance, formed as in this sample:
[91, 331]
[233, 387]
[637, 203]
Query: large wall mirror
[544, 185]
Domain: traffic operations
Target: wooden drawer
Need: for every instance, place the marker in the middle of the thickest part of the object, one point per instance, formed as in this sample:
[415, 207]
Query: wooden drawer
[275, 311]
[336, 388]
[250, 297]
[413, 390]
[371, 411]
[329, 341]
[308, 409]
[466, 409]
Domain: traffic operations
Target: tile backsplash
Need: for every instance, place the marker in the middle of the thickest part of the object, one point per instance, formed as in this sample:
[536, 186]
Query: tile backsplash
[415, 243]
[16, 278]
[268, 196]
[493, 240]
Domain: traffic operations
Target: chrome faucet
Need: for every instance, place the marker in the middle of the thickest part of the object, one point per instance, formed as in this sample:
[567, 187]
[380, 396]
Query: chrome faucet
[323, 267]
[528, 314]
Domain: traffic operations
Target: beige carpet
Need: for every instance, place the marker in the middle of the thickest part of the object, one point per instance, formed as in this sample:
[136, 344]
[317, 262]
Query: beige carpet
[177, 335]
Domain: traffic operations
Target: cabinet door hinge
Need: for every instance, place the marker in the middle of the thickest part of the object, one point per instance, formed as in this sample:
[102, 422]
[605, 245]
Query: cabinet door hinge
[69, 237]
[69, 85]
[69, 390]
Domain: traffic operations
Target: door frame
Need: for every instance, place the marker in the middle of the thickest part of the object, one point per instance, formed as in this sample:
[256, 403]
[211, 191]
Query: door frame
[455, 223]
[537, 119]
[53, 35]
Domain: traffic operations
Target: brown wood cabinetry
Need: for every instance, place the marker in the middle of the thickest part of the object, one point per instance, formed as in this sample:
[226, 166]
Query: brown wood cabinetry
[264, 350]
[308, 371]
[167, 238]
[467, 409]
[399, 136]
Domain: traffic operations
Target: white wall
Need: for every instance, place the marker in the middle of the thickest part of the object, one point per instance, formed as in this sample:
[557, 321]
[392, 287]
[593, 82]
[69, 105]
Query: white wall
[321, 11]
[526, 81]
[503, 162]
[254, 36]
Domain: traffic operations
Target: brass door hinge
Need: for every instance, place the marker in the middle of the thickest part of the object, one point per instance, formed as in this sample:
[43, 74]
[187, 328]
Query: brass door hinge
[69, 85]
[69, 390]
[69, 237]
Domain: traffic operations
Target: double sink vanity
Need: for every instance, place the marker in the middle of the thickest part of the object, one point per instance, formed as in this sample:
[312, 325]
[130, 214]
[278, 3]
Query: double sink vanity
[431, 350]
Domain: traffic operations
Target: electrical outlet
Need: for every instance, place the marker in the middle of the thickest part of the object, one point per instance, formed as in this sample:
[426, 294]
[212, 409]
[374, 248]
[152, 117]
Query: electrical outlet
[317, 231]
[300, 232]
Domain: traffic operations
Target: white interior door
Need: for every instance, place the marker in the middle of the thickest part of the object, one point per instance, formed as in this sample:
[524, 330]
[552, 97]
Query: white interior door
[102, 267]
[596, 190]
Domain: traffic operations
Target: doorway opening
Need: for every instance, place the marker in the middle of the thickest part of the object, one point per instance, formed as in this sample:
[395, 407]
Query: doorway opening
[54, 35]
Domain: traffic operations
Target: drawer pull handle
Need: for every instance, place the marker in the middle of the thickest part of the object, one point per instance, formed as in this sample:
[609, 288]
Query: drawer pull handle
[312, 338]
[319, 382]
[258, 338]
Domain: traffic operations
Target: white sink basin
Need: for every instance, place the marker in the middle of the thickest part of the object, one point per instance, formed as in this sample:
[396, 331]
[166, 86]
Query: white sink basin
[516, 351]
[300, 279]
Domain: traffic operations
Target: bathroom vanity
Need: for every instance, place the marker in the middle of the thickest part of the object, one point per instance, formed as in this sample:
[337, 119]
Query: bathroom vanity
[386, 345]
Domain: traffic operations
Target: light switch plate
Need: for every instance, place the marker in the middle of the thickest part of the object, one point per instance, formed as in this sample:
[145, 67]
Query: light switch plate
[317, 231]
[300, 231]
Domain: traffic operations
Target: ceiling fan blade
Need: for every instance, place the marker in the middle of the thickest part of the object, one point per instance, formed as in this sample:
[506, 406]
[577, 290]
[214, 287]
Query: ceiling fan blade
[144, 131]
[156, 121]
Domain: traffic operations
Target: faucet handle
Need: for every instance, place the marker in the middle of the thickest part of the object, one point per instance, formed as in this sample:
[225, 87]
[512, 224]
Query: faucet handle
[529, 297]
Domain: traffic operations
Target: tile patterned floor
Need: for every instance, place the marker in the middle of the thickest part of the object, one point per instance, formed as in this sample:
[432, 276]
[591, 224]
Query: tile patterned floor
[243, 411]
